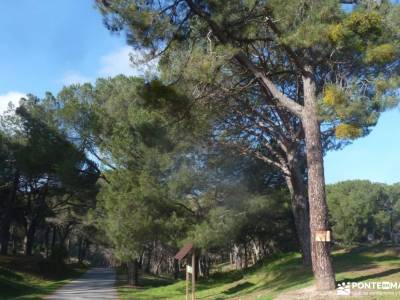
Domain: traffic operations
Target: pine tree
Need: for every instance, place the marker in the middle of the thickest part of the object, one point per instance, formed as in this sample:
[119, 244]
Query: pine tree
[125, 123]
[290, 52]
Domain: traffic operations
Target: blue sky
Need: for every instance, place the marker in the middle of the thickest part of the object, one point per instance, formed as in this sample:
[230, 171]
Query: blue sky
[50, 43]
[375, 157]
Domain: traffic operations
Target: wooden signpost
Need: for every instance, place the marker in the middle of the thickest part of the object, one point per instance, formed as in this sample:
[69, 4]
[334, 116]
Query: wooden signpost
[323, 236]
[190, 270]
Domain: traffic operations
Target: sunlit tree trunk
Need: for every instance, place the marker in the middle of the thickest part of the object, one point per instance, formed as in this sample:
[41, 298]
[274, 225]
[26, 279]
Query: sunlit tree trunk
[320, 251]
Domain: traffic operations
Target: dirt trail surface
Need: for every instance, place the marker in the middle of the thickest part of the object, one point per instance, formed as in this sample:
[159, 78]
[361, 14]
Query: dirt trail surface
[97, 283]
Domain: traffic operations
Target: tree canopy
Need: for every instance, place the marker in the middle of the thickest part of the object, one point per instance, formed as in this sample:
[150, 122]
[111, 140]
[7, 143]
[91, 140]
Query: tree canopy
[295, 77]
[223, 147]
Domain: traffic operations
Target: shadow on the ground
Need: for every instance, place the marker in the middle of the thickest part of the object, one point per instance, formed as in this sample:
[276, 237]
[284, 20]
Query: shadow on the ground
[238, 288]
[373, 276]
[30, 276]
[12, 285]
[285, 272]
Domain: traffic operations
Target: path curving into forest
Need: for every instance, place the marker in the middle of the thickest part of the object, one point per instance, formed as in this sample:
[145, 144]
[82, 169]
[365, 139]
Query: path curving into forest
[97, 283]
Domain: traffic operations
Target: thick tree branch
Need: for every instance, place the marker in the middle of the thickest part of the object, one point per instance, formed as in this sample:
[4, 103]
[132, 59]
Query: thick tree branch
[281, 98]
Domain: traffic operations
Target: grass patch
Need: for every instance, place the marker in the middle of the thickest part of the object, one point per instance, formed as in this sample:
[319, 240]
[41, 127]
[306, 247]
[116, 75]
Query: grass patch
[33, 278]
[278, 274]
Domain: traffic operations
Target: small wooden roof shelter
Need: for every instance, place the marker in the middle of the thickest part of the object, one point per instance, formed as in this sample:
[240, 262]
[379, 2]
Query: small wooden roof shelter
[184, 251]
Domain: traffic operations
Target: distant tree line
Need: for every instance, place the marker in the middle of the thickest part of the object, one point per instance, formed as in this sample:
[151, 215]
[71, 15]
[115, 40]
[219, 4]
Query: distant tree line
[364, 212]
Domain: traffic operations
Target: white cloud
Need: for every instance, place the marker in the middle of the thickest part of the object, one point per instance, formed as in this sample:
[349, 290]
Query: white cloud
[12, 97]
[115, 63]
[119, 62]
[74, 78]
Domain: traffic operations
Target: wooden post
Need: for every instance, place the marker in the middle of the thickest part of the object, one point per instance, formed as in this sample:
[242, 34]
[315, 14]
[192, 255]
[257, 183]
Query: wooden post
[184, 252]
[187, 284]
[193, 275]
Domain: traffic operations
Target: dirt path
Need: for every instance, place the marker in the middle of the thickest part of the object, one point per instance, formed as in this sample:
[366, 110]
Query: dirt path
[97, 283]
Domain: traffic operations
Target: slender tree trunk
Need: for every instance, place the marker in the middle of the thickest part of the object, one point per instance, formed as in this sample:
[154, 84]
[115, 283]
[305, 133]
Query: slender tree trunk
[149, 255]
[46, 241]
[79, 249]
[54, 238]
[86, 249]
[133, 278]
[176, 269]
[203, 265]
[129, 272]
[245, 256]
[320, 251]
[13, 240]
[236, 257]
[301, 214]
[195, 264]
[256, 250]
[141, 260]
[5, 225]
[30, 237]
[5, 235]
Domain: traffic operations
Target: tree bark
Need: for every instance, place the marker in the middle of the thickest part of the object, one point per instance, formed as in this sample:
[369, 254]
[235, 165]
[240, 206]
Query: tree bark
[149, 256]
[176, 269]
[86, 249]
[46, 241]
[80, 242]
[133, 279]
[245, 256]
[30, 237]
[5, 235]
[53, 240]
[300, 209]
[320, 251]
[237, 257]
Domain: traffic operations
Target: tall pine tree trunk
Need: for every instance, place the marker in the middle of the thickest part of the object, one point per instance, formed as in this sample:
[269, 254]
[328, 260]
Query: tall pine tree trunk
[320, 251]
